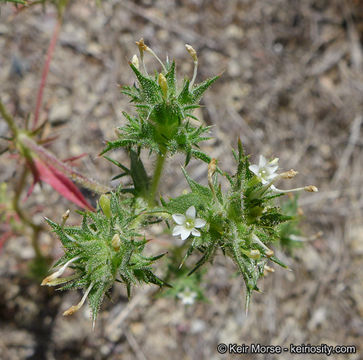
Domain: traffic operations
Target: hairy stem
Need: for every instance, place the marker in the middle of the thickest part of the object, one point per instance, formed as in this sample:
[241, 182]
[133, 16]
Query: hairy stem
[45, 71]
[9, 119]
[156, 178]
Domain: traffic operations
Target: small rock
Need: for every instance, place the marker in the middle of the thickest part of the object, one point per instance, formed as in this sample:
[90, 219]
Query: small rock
[60, 112]
[3, 29]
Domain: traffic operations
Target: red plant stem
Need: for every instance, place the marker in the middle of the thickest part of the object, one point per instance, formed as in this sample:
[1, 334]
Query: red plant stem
[45, 71]
[4, 238]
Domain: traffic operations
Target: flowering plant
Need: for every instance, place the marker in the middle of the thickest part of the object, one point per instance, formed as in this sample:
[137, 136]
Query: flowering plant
[240, 222]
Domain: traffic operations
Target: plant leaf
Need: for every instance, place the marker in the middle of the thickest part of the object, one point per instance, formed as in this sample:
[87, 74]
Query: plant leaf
[61, 184]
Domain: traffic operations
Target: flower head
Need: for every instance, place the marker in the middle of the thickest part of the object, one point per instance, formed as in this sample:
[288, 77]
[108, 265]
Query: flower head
[187, 224]
[265, 171]
[187, 296]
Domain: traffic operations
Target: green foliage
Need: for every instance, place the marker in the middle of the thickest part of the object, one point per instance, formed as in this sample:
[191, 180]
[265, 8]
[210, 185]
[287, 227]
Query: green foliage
[21, 2]
[162, 124]
[105, 249]
[240, 223]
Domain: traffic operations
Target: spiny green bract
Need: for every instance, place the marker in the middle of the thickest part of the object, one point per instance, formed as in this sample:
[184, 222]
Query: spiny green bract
[240, 222]
[162, 123]
[104, 249]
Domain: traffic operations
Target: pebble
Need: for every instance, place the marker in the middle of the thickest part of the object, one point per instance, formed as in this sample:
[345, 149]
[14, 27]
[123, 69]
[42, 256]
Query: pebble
[60, 112]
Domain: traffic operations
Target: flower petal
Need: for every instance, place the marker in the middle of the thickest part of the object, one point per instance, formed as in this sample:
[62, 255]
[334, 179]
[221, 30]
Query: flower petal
[199, 223]
[271, 177]
[188, 300]
[179, 218]
[191, 212]
[254, 169]
[195, 232]
[272, 169]
[262, 162]
[178, 230]
[185, 233]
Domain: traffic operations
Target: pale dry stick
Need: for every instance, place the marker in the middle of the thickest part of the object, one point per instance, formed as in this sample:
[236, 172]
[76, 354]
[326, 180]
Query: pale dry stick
[116, 323]
[356, 196]
[353, 138]
[356, 53]
[331, 58]
[187, 34]
[353, 79]
[134, 345]
[300, 152]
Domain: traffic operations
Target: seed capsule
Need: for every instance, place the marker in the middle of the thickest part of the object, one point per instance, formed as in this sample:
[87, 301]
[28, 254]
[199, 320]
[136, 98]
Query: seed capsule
[105, 205]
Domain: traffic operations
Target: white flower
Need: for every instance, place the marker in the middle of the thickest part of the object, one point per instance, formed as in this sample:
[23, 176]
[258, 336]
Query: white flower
[265, 171]
[52, 279]
[187, 297]
[187, 224]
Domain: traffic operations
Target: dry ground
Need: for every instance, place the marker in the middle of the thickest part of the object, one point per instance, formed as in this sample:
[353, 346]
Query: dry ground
[292, 87]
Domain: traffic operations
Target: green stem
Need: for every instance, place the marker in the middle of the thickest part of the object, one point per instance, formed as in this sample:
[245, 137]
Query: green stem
[9, 119]
[36, 228]
[156, 178]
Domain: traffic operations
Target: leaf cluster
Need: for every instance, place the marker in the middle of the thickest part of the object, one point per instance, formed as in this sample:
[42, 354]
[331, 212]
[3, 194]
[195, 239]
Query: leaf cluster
[235, 219]
[162, 122]
[100, 260]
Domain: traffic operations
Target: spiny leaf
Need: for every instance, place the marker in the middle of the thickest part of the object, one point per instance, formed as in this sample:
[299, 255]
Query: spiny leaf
[138, 174]
[198, 91]
[195, 187]
[150, 89]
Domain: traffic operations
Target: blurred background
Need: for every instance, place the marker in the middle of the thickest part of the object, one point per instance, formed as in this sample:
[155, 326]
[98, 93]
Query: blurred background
[292, 87]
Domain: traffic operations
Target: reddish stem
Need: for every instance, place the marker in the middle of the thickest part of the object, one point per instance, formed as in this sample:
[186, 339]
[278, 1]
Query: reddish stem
[48, 158]
[45, 71]
[4, 238]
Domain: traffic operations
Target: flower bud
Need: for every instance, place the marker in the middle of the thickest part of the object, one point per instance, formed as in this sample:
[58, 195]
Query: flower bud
[141, 45]
[105, 205]
[65, 217]
[269, 253]
[75, 308]
[289, 174]
[192, 52]
[254, 254]
[135, 61]
[311, 188]
[163, 84]
[267, 270]
[116, 242]
[212, 166]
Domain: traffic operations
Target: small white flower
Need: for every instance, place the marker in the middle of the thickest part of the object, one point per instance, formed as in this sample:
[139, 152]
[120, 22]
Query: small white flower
[265, 171]
[187, 297]
[51, 279]
[187, 224]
